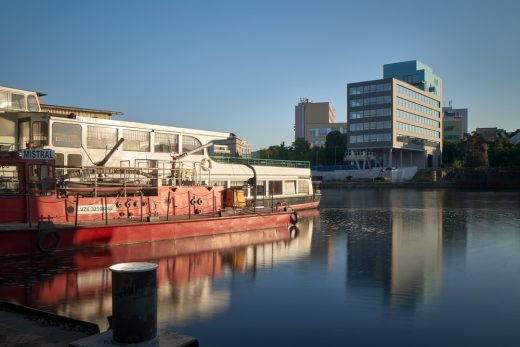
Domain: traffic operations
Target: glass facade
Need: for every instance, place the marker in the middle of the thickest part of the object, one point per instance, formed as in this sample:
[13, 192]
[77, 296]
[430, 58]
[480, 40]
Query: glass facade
[385, 99]
[418, 119]
[380, 137]
[371, 125]
[326, 131]
[417, 130]
[377, 112]
[418, 96]
[413, 106]
[373, 88]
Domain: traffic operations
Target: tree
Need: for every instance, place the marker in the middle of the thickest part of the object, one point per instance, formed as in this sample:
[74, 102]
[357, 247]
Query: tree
[452, 151]
[475, 150]
[502, 153]
[301, 150]
[335, 147]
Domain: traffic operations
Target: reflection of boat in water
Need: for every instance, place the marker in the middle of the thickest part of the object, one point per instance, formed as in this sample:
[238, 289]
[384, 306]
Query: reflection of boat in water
[78, 284]
[84, 181]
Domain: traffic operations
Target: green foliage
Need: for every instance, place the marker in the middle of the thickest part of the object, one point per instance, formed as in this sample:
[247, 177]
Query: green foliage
[503, 153]
[332, 153]
[452, 151]
[457, 164]
[475, 151]
[335, 147]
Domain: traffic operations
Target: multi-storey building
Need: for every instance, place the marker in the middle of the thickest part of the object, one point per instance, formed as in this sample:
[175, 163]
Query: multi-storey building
[455, 123]
[314, 120]
[397, 119]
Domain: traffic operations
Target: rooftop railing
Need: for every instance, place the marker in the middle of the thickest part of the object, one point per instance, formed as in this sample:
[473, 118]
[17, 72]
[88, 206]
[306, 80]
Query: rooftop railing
[262, 162]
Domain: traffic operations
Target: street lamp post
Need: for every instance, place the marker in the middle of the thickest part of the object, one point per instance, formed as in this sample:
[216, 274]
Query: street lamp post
[335, 147]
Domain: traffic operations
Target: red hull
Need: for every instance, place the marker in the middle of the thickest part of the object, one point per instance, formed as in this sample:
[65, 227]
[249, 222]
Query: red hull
[26, 241]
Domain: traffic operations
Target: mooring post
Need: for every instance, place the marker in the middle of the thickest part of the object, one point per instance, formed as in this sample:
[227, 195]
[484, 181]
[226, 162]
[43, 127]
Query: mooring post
[134, 302]
[134, 312]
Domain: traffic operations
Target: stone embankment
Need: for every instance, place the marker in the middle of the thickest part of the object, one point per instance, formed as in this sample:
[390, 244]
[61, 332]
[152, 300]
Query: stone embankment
[467, 178]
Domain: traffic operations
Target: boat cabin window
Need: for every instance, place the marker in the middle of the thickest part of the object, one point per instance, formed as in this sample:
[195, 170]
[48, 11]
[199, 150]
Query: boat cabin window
[74, 160]
[66, 135]
[290, 187]
[237, 184]
[303, 186]
[166, 143]
[260, 188]
[40, 133]
[135, 140]
[7, 134]
[4, 100]
[40, 179]
[18, 101]
[275, 187]
[9, 180]
[101, 137]
[32, 104]
[59, 159]
[189, 143]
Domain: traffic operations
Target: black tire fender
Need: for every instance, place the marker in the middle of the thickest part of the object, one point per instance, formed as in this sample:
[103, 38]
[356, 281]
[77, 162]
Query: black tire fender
[41, 241]
[294, 232]
[294, 218]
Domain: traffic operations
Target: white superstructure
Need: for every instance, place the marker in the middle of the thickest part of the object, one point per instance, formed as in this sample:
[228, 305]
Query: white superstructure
[84, 141]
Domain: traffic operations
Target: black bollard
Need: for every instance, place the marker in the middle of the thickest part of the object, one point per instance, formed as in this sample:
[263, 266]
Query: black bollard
[134, 302]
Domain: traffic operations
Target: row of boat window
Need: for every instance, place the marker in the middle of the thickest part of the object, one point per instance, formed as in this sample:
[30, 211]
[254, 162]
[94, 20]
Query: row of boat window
[275, 187]
[18, 101]
[9, 181]
[70, 136]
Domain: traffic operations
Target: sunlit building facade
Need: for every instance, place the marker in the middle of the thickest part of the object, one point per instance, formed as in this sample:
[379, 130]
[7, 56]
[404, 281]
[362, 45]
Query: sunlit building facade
[455, 123]
[314, 120]
[399, 123]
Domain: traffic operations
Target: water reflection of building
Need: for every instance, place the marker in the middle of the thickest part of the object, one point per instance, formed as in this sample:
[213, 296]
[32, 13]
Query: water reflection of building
[78, 285]
[397, 250]
[417, 249]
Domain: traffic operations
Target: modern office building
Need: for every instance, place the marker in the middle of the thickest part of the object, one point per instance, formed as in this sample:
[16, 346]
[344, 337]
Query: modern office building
[314, 120]
[397, 120]
[455, 122]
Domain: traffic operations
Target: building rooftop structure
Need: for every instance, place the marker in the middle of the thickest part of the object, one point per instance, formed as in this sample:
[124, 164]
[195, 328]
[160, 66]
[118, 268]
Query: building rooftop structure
[415, 73]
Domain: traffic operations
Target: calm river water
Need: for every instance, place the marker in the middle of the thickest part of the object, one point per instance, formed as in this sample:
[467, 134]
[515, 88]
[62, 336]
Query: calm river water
[372, 268]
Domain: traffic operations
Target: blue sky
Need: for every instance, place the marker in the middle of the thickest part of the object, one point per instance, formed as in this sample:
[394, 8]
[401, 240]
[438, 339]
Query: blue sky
[242, 66]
